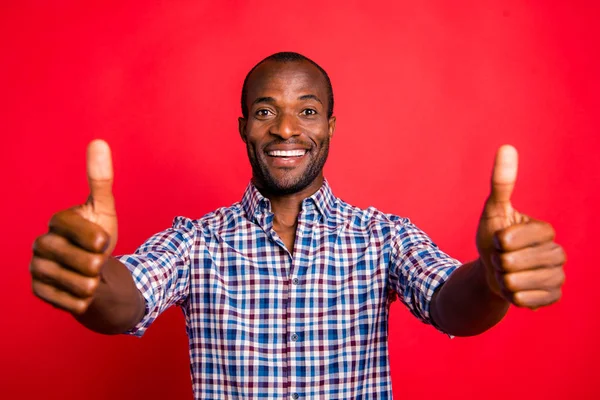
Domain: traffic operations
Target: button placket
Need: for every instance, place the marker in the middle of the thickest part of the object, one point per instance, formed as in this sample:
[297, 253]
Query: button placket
[295, 310]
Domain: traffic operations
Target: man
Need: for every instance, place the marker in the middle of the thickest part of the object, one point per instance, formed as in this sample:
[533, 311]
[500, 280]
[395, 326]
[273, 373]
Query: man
[286, 292]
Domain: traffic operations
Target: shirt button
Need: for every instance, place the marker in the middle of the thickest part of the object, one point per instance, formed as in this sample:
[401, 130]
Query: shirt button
[295, 281]
[294, 339]
[295, 396]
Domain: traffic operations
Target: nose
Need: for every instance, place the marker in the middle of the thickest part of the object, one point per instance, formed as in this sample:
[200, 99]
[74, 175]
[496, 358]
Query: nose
[286, 126]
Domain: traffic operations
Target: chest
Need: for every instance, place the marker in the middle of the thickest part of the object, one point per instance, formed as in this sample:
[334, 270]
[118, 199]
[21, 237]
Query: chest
[322, 308]
[329, 269]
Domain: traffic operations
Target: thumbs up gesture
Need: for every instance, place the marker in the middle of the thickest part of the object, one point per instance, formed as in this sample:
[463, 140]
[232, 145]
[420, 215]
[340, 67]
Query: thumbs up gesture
[67, 262]
[522, 261]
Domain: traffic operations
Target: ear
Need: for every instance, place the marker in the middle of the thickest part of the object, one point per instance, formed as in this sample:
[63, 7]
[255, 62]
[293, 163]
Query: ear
[331, 126]
[242, 128]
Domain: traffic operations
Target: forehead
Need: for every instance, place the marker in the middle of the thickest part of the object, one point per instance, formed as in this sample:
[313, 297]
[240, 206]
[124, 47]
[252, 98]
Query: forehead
[281, 79]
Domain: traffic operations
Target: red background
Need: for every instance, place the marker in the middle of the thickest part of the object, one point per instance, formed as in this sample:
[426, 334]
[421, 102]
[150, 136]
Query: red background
[425, 93]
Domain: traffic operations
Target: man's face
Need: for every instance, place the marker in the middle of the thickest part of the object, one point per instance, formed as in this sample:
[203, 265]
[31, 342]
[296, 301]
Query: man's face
[287, 131]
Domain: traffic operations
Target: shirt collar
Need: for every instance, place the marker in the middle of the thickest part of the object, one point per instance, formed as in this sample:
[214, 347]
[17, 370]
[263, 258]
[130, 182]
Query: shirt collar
[253, 201]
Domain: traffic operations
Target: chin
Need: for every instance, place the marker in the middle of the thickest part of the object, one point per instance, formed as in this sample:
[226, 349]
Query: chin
[286, 185]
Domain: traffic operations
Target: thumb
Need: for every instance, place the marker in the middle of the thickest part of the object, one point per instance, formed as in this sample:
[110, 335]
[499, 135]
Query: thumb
[100, 177]
[504, 174]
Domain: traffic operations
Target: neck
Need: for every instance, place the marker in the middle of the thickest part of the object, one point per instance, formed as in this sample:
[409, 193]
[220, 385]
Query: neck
[287, 207]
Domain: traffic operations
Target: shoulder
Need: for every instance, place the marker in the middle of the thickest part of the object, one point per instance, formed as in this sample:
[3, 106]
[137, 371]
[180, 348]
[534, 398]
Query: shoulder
[399, 231]
[369, 218]
[221, 219]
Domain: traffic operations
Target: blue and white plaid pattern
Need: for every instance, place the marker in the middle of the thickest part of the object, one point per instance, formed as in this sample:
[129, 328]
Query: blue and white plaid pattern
[264, 323]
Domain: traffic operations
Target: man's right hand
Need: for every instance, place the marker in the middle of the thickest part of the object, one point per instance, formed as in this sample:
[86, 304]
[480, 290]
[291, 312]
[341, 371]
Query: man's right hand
[67, 262]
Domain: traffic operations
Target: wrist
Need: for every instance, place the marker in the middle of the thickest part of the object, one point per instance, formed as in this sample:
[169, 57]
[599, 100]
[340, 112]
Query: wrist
[489, 279]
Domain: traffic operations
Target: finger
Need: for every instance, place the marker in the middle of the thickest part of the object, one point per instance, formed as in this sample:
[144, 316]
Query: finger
[57, 248]
[504, 174]
[537, 279]
[67, 280]
[100, 176]
[80, 231]
[59, 298]
[536, 298]
[519, 236]
[545, 255]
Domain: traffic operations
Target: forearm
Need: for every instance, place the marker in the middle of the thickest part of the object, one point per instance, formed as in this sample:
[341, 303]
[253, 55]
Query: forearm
[117, 306]
[465, 305]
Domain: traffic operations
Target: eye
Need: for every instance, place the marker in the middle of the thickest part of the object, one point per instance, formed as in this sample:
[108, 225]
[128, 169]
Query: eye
[309, 111]
[263, 112]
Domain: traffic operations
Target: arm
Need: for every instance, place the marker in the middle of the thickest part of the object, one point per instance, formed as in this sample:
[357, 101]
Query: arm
[117, 305]
[465, 305]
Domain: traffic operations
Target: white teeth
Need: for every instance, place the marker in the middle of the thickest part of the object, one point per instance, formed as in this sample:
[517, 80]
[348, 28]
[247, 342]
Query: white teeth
[287, 153]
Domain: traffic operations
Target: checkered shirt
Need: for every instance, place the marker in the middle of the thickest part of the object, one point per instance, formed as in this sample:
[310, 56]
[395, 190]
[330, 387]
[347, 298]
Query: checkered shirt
[264, 323]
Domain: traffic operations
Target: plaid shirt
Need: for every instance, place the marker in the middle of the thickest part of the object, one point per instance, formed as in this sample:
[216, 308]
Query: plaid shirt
[264, 323]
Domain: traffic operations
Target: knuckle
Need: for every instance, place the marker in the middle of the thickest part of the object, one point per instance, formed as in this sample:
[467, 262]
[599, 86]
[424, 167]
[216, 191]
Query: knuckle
[511, 282]
[507, 260]
[100, 240]
[37, 268]
[58, 218]
[511, 236]
[503, 238]
[54, 221]
[80, 306]
[519, 300]
[548, 229]
[47, 244]
[89, 286]
[35, 288]
[33, 266]
[46, 268]
[560, 254]
[76, 309]
[40, 243]
[40, 272]
[95, 264]
[41, 291]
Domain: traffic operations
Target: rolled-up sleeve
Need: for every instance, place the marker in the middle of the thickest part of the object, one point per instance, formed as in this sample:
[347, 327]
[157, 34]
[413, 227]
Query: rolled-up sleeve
[161, 270]
[417, 268]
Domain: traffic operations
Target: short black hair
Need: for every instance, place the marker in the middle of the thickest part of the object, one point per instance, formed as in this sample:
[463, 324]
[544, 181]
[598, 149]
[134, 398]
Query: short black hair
[288, 56]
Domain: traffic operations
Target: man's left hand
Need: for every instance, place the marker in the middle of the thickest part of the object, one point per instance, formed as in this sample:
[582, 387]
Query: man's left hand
[523, 263]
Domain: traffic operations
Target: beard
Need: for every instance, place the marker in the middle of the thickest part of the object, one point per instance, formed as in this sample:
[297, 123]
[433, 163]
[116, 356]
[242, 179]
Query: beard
[290, 183]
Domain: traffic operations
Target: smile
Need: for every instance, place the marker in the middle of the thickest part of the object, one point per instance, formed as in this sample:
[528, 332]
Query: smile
[286, 153]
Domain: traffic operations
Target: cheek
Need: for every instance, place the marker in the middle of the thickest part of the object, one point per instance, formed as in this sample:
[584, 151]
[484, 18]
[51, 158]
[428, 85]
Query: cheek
[320, 135]
[255, 133]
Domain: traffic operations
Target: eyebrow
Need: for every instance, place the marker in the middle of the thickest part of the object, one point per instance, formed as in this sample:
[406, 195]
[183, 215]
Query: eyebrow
[310, 97]
[263, 100]
[272, 100]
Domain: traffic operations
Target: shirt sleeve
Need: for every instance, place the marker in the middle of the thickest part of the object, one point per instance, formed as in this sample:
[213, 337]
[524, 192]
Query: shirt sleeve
[161, 270]
[417, 268]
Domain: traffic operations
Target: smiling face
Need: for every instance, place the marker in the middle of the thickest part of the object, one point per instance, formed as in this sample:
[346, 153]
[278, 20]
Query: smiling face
[287, 130]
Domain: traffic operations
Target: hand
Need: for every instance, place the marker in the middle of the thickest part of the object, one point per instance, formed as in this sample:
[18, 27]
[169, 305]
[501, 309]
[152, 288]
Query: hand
[67, 261]
[523, 263]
